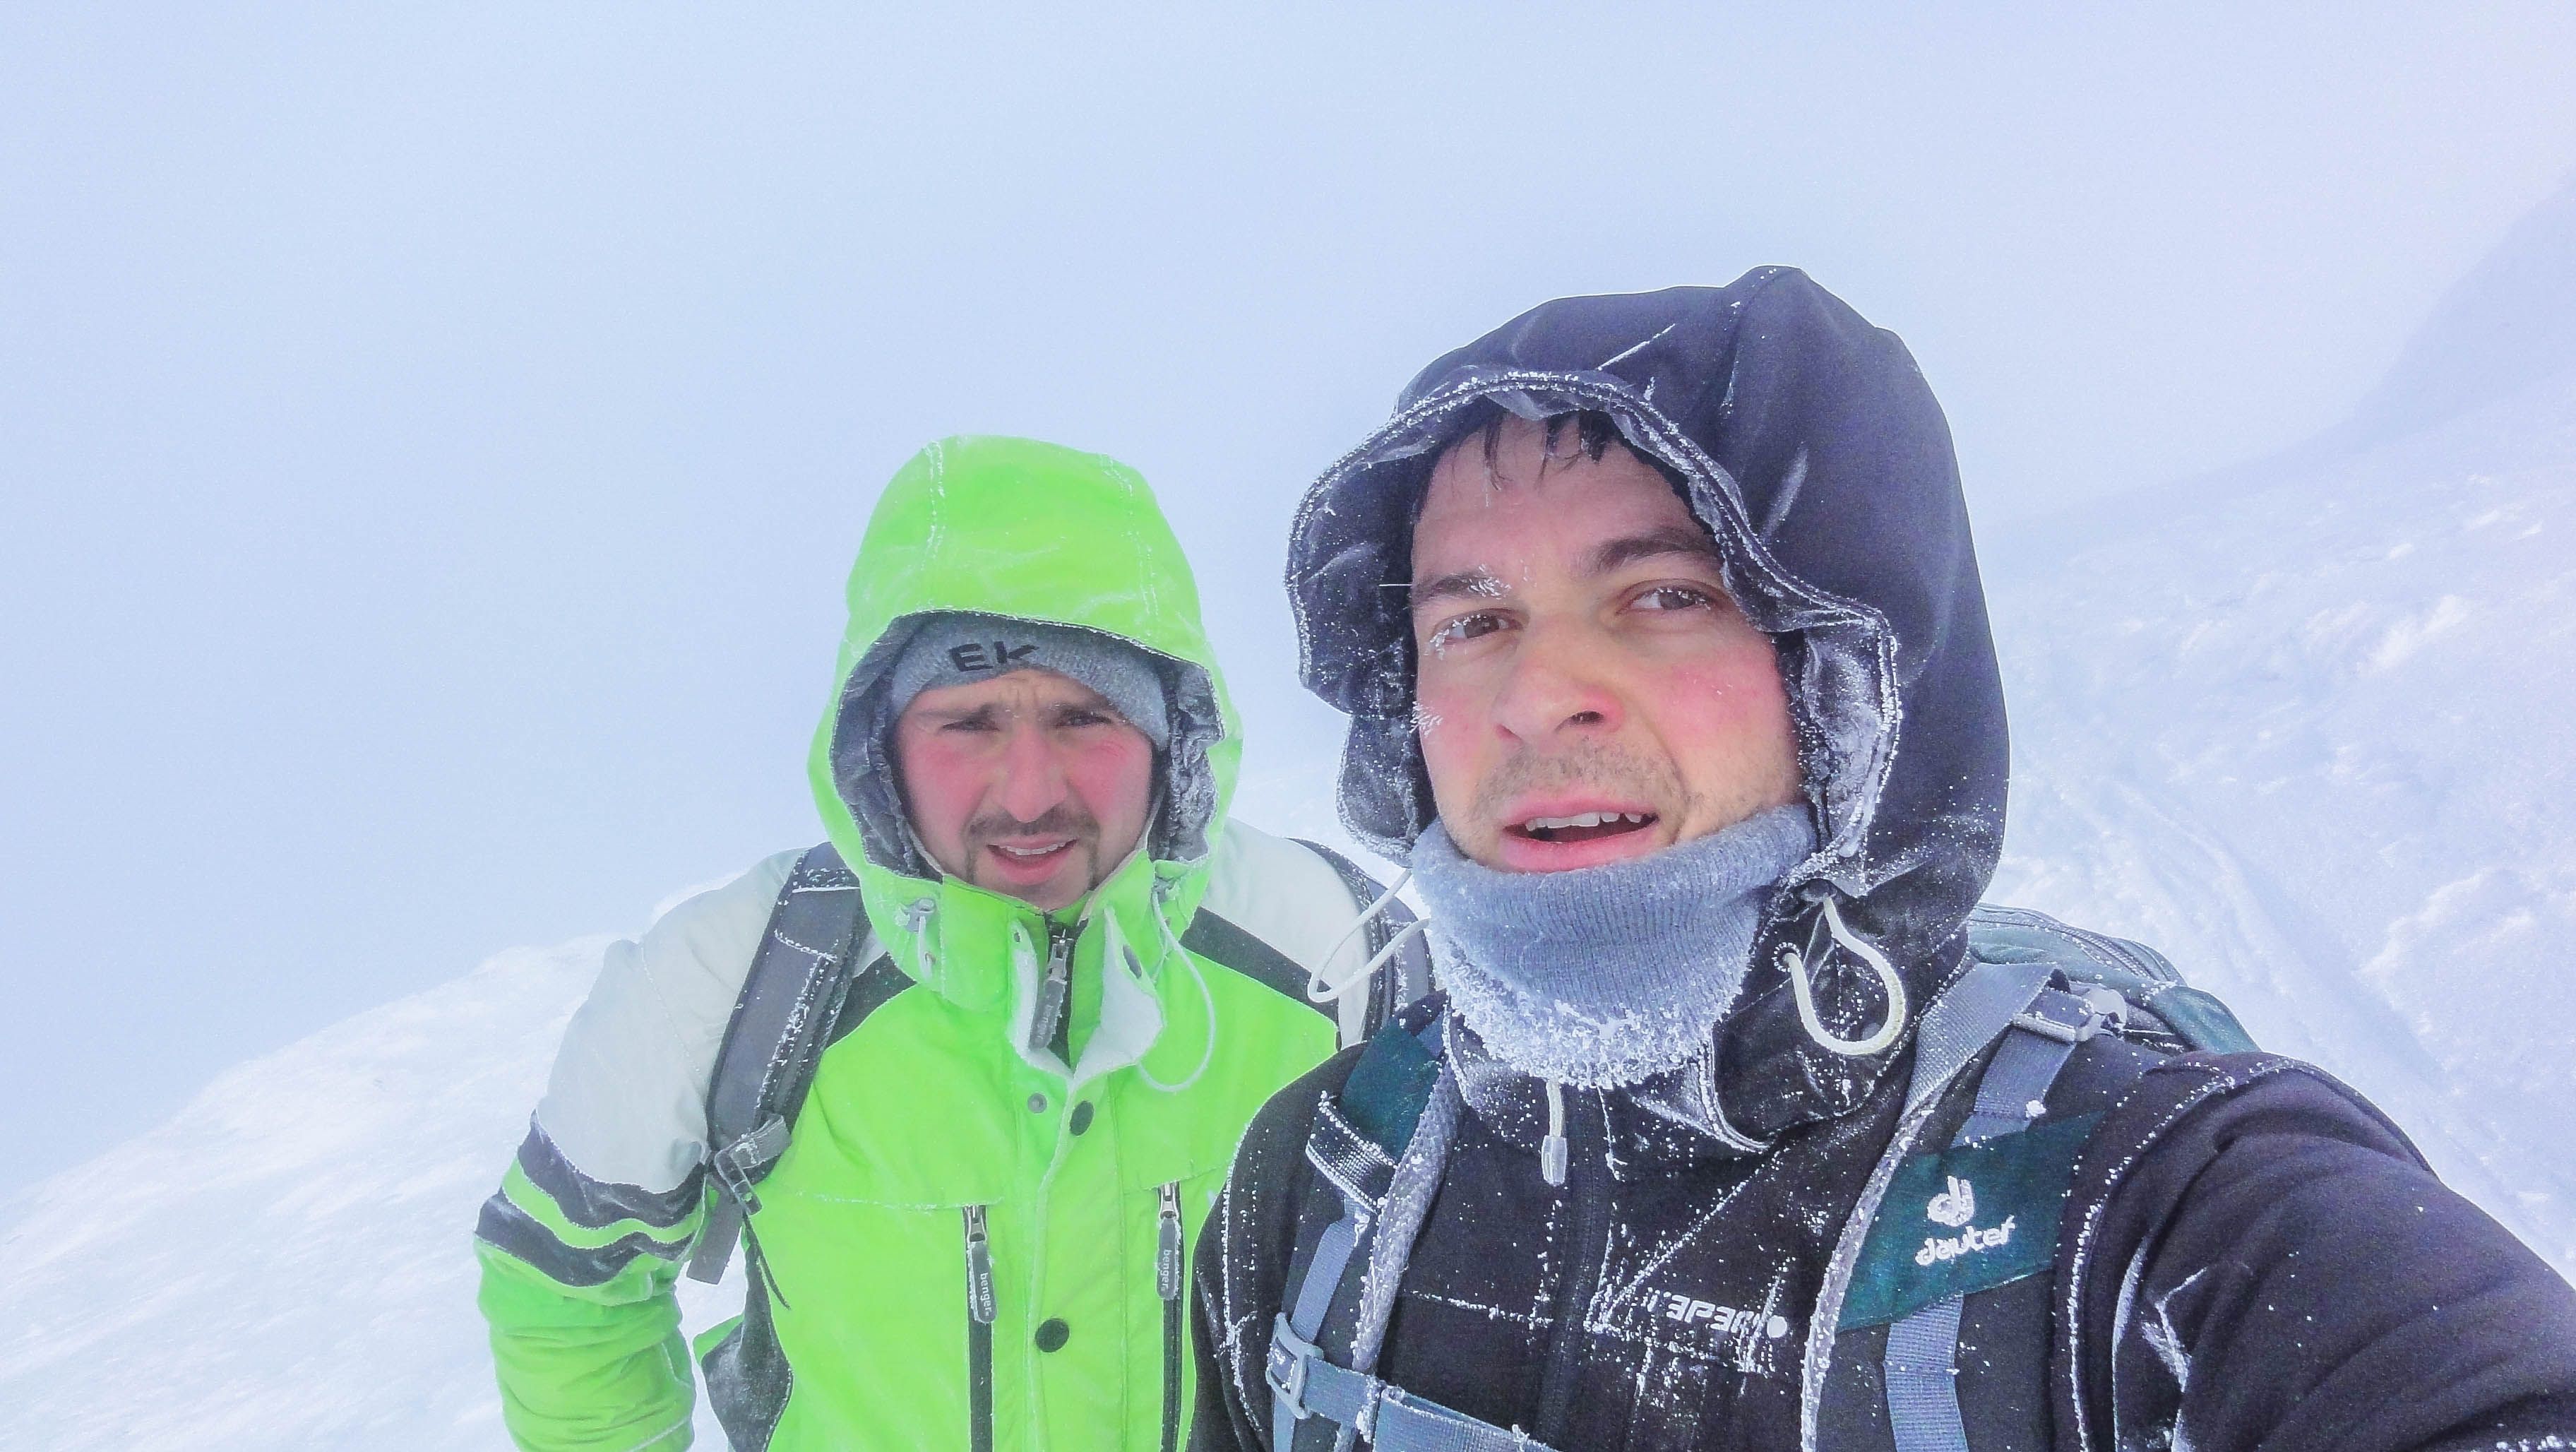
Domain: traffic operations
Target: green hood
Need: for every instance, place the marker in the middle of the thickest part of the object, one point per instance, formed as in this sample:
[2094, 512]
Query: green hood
[1030, 530]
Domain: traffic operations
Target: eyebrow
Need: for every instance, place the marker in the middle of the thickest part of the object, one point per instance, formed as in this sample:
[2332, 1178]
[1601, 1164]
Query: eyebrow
[1473, 584]
[1671, 539]
[991, 713]
[1480, 584]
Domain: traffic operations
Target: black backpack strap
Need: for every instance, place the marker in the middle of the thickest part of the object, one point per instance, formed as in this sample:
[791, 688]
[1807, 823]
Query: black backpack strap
[1216, 938]
[1406, 975]
[795, 1001]
[1374, 1158]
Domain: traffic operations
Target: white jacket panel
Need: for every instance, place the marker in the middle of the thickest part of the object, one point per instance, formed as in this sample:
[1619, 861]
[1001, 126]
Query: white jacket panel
[627, 1101]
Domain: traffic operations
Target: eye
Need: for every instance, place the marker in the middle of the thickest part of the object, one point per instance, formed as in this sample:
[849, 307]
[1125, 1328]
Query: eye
[1077, 716]
[968, 725]
[1672, 597]
[1465, 628]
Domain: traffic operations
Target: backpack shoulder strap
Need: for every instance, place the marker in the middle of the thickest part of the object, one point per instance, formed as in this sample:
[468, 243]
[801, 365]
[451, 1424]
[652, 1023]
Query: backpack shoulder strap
[1286, 912]
[1980, 1213]
[1374, 1159]
[797, 999]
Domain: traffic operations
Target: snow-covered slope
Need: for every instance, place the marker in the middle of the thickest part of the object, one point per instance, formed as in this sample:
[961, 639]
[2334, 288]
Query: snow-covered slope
[2314, 741]
[285, 1264]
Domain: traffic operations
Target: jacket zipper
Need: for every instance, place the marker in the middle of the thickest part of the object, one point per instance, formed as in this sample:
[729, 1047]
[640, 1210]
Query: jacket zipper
[1589, 1242]
[1048, 1015]
[979, 1333]
[1167, 1284]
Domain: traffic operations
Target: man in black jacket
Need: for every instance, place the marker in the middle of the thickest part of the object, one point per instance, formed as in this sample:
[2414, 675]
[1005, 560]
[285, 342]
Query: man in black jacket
[1659, 628]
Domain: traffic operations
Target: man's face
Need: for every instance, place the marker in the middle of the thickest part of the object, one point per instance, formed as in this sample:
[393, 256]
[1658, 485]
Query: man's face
[1027, 784]
[1587, 691]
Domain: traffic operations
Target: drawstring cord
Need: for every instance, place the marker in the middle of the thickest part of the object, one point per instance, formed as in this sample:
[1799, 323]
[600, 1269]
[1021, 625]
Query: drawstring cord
[1367, 971]
[1795, 963]
[1207, 1005]
[1316, 989]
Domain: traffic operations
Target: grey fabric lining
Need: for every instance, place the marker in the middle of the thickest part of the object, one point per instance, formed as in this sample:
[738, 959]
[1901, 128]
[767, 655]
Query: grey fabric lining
[748, 1378]
[598, 1204]
[506, 1227]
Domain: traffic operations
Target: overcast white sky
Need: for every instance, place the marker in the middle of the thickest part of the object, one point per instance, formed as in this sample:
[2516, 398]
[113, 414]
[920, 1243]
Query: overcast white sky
[432, 438]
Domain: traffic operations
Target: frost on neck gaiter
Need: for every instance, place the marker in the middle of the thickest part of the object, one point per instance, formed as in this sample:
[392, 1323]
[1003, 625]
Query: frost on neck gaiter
[1604, 976]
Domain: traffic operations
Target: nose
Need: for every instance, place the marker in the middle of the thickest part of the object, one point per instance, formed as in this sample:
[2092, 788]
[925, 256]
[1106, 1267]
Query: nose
[1556, 687]
[1033, 781]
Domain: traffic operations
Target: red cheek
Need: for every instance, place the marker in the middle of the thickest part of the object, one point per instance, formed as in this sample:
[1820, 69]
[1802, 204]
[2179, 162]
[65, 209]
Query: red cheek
[943, 782]
[1725, 688]
[1112, 773]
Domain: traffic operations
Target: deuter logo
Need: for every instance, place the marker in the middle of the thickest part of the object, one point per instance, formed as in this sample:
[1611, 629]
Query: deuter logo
[1938, 1248]
[1955, 1206]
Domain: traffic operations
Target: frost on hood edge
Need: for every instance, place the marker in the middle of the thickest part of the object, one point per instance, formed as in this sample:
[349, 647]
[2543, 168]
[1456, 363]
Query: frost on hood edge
[1856, 479]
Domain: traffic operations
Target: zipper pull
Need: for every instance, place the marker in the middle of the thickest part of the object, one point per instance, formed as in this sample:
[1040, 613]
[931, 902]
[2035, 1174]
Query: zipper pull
[916, 922]
[1551, 1150]
[1055, 987]
[1167, 1258]
[979, 1267]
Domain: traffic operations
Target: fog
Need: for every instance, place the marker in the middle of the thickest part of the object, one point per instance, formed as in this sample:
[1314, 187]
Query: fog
[432, 439]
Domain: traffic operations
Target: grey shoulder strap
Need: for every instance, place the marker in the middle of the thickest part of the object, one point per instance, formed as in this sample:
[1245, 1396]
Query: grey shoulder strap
[2039, 1027]
[790, 1005]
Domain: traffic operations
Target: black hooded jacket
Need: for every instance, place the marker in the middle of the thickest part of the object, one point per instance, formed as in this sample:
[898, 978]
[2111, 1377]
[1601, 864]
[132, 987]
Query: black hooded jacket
[2249, 1255]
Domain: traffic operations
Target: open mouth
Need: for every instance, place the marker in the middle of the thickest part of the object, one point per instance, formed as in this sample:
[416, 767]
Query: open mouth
[1032, 854]
[1583, 826]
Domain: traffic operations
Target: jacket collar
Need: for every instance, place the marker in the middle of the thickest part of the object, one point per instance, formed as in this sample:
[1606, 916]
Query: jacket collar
[987, 954]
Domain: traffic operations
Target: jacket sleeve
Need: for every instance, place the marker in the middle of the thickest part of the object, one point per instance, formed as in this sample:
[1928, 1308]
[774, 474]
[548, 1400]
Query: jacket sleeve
[2280, 1270]
[582, 1245]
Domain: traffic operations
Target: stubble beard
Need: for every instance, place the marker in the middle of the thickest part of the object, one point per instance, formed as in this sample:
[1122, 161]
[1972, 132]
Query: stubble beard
[1064, 819]
[1598, 765]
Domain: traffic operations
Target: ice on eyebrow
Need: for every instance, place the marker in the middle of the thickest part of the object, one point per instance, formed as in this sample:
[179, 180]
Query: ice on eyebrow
[1482, 584]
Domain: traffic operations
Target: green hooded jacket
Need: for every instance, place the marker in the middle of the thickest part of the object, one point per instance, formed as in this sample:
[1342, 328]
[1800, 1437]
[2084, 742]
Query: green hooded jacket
[935, 1138]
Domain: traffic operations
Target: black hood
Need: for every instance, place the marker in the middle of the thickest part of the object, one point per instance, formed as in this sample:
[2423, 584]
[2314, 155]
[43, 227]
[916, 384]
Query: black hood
[1809, 445]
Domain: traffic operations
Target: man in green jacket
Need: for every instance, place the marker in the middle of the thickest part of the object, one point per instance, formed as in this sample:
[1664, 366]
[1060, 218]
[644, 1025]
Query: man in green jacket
[972, 1237]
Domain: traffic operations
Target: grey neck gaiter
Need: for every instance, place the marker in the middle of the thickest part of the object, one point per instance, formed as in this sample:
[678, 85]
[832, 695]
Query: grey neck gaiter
[1604, 976]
